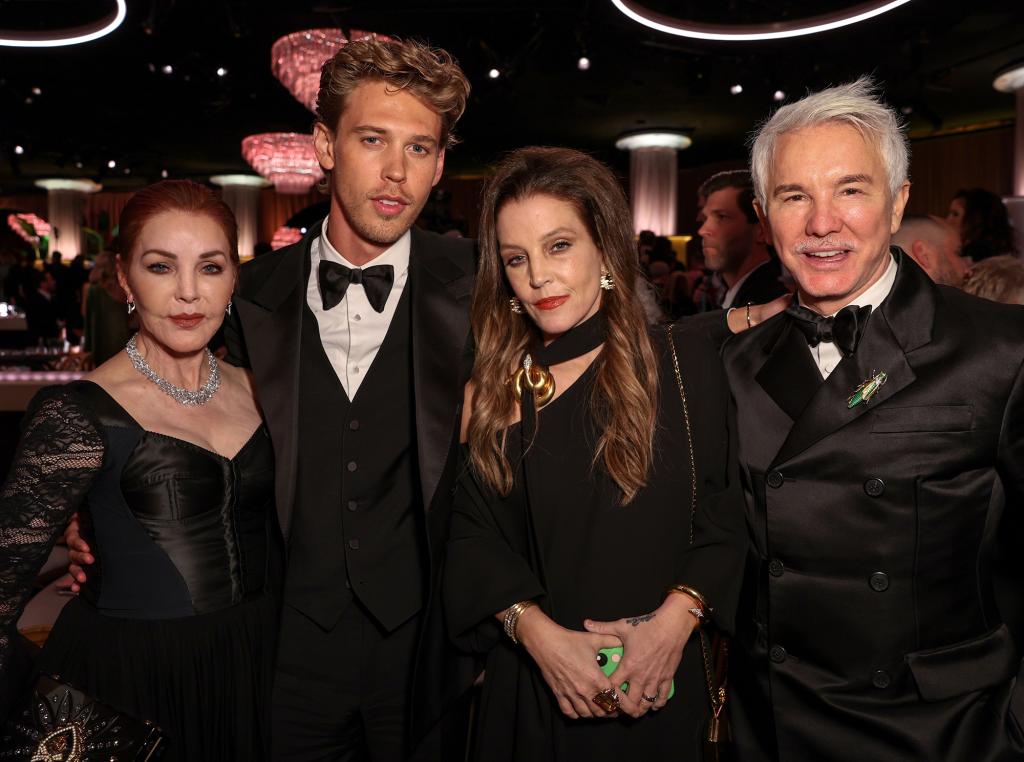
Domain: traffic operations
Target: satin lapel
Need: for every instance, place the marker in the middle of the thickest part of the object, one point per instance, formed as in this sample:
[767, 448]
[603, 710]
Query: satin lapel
[272, 325]
[902, 324]
[789, 375]
[441, 290]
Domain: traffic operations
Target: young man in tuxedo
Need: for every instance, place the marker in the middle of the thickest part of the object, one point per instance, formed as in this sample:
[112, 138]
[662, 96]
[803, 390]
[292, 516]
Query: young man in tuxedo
[358, 340]
[881, 422]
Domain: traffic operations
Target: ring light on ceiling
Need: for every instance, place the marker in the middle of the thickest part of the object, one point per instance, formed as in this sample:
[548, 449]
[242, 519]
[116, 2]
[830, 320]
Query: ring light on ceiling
[752, 32]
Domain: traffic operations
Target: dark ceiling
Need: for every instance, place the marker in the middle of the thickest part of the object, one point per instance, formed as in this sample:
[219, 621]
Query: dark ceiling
[110, 100]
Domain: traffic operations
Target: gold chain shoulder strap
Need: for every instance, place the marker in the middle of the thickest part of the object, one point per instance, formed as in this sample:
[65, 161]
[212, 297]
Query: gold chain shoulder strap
[716, 696]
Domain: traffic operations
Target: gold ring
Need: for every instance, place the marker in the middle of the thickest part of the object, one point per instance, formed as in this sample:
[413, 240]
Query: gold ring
[607, 700]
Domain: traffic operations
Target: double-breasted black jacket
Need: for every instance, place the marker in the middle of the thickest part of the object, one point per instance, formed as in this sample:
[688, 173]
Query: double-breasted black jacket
[263, 334]
[879, 586]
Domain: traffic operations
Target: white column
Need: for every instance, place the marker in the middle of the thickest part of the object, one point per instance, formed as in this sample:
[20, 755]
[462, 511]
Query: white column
[1010, 79]
[242, 194]
[653, 178]
[65, 198]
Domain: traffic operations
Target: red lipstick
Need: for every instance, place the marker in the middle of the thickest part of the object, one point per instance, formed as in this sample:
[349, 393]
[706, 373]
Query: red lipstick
[551, 302]
[187, 319]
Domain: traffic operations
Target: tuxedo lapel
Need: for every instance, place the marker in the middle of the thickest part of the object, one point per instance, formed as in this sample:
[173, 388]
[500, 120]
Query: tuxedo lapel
[272, 325]
[789, 375]
[900, 325]
[441, 288]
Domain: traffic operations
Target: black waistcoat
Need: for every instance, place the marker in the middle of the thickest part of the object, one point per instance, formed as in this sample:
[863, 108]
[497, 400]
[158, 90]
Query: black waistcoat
[358, 509]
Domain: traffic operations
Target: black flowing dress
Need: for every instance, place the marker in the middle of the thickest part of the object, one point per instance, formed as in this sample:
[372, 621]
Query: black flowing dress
[177, 621]
[560, 537]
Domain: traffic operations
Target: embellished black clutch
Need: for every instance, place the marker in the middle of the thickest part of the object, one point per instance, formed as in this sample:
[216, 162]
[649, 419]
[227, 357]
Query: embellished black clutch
[59, 723]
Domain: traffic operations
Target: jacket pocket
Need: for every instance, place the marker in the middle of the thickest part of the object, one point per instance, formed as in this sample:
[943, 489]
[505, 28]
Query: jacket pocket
[921, 419]
[972, 665]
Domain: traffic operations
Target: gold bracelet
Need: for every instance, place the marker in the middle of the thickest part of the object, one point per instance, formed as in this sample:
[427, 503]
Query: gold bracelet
[702, 610]
[512, 615]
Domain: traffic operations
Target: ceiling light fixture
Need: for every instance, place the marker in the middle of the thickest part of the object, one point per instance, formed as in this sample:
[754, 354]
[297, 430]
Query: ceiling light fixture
[583, 64]
[296, 59]
[753, 32]
[222, 72]
[37, 91]
[68, 184]
[1010, 78]
[164, 174]
[69, 36]
[736, 89]
[167, 69]
[19, 150]
[779, 95]
[111, 164]
[653, 139]
[494, 74]
[286, 159]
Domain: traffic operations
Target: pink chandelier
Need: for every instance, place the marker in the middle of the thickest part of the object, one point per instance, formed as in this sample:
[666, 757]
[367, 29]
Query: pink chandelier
[296, 59]
[285, 158]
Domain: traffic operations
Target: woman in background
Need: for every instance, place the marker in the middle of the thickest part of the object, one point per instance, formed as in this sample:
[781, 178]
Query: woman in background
[981, 219]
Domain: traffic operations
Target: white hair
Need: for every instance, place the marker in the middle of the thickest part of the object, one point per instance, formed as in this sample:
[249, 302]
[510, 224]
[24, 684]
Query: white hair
[857, 104]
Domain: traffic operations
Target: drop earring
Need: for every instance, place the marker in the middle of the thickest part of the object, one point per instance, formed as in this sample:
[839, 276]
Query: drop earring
[131, 306]
[228, 308]
[515, 305]
[607, 282]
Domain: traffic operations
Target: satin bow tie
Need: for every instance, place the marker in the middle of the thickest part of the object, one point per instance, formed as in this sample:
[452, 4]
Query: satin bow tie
[844, 330]
[334, 281]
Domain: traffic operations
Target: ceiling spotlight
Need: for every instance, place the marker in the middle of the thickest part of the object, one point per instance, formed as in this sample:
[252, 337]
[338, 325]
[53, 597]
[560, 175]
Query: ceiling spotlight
[167, 69]
[494, 74]
[78, 165]
[111, 164]
[151, 67]
[36, 91]
[19, 150]
[906, 110]
[302, 230]
[164, 174]
[736, 89]
[779, 95]
[583, 64]
[28, 100]
[222, 72]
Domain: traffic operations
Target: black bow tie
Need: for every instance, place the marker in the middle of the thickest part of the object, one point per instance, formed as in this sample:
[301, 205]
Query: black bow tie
[844, 330]
[376, 281]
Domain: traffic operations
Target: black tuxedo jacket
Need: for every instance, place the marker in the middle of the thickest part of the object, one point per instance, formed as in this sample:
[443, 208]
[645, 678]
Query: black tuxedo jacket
[762, 286]
[263, 334]
[871, 626]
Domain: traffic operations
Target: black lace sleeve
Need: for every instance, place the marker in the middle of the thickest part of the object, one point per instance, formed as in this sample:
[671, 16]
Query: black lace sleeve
[60, 453]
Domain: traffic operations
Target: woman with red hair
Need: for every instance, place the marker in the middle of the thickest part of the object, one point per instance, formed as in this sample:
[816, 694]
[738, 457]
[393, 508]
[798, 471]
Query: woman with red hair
[163, 453]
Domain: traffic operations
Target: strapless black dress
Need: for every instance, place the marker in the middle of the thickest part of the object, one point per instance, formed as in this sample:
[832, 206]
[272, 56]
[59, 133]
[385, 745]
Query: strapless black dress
[177, 621]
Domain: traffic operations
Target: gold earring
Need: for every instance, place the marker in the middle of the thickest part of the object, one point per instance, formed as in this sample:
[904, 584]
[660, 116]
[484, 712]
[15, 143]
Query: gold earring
[515, 305]
[607, 282]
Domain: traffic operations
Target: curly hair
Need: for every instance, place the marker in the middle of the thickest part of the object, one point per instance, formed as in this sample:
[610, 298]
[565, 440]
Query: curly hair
[431, 74]
[625, 393]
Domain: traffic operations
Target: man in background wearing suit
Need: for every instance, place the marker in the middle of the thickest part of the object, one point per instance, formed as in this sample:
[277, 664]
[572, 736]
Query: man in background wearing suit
[881, 429]
[358, 340]
[734, 243]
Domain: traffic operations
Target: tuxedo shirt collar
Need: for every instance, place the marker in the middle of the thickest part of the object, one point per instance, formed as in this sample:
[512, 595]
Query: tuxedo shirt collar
[396, 255]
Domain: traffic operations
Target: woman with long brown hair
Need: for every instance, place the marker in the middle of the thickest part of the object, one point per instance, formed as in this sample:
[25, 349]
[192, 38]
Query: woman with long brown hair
[598, 522]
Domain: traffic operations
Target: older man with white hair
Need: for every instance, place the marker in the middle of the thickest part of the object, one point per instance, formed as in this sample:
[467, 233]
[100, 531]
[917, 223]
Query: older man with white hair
[881, 422]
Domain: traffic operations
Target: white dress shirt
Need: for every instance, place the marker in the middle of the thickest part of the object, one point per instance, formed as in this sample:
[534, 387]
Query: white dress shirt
[352, 331]
[826, 354]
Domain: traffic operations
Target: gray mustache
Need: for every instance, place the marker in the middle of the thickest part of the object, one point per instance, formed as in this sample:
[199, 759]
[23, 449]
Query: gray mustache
[825, 243]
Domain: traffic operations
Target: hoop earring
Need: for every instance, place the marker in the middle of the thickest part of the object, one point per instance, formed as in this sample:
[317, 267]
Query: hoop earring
[515, 305]
[228, 308]
[131, 306]
[607, 282]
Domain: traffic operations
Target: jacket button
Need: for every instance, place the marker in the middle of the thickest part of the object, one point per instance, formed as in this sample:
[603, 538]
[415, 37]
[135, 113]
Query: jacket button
[776, 567]
[353, 544]
[775, 479]
[879, 582]
[353, 505]
[777, 654]
[874, 487]
[352, 466]
[881, 679]
[353, 424]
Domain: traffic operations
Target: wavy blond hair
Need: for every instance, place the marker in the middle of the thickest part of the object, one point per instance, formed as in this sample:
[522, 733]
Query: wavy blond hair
[624, 397]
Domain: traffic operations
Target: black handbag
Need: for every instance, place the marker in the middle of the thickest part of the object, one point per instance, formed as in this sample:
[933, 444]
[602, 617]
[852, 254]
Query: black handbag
[60, 723]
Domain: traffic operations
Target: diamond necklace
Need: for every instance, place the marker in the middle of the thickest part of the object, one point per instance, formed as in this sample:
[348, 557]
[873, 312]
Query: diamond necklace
[182, 396]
